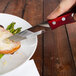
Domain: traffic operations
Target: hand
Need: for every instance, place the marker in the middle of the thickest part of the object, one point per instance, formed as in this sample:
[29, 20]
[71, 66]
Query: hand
[63, 7]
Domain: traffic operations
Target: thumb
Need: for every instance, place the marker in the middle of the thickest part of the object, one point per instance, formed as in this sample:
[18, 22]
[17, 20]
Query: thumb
[64, 6]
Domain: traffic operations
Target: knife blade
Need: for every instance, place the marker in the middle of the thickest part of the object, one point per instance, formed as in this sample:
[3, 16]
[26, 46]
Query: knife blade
[24, 35]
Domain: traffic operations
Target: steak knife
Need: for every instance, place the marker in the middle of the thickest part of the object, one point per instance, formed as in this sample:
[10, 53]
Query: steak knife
[53, 24]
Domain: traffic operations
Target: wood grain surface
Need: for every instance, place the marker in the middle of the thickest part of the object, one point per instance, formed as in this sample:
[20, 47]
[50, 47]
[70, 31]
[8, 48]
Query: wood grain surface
[56, 51]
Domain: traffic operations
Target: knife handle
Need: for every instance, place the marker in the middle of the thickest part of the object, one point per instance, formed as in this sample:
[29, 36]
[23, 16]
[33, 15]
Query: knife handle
[61, 20]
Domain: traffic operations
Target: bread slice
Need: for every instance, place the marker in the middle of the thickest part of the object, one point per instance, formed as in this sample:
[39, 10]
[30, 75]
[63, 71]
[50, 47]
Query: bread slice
[7, 46]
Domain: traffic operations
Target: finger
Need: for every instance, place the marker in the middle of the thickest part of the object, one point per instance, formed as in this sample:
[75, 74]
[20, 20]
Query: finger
[64, 6]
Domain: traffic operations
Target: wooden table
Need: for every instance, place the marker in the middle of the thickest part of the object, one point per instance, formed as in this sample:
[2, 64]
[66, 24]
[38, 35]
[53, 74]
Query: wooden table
[56, 51]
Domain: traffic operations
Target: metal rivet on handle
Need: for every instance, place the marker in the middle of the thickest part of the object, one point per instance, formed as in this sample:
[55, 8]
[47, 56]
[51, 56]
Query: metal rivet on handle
[54, 22]
[63, 18]
[72, 14]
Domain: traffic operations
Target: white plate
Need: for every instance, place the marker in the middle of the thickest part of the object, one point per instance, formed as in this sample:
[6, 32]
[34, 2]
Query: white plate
[28, 46]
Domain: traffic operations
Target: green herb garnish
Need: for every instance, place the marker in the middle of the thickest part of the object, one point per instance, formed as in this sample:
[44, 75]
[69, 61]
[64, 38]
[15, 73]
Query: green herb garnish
[11, 26]
[1, 55]
[17, 30]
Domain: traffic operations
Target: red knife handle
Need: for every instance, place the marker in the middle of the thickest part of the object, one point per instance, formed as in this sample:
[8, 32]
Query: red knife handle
[61, 20]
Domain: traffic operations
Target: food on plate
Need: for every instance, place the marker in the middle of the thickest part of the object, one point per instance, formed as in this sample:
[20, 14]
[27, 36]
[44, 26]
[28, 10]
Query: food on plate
[7, 46]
